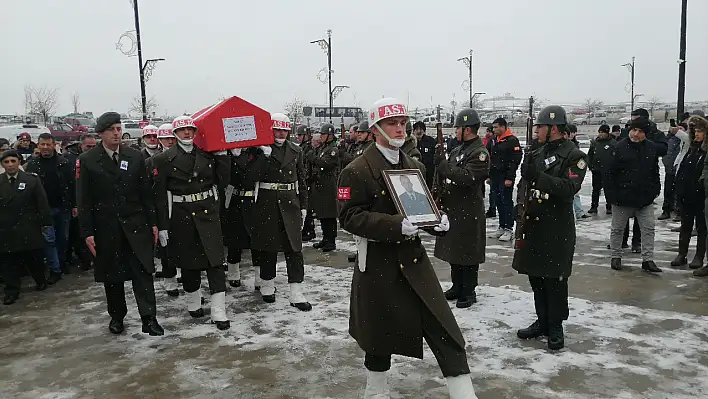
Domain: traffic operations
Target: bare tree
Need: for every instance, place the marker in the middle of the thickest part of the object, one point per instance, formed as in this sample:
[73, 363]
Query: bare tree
[593, 105]
[293, 110]
[652, 104]
[75, 102]
[42, 102]
[150, 106]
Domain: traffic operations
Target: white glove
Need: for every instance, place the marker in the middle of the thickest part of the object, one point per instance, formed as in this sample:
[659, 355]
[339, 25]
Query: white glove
[266, 150]
[444, 224]
[304, 214]
[407, 228]
[236, 152]
[163, 236]
[222, 152]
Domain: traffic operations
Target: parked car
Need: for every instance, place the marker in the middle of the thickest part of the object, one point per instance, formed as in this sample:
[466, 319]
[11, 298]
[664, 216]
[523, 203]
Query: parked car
[131, 129]
[64, 131]
[583, 139]
[85, 125]
[10, 132]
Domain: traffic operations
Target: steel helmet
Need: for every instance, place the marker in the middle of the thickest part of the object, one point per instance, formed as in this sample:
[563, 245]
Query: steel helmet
[364, 127]
[182, 122]
[327, 128]
[553, 115]
[280, 121]
[150, 130]
[386, 108]
[165, 131]
[466, 118]
[302, 130]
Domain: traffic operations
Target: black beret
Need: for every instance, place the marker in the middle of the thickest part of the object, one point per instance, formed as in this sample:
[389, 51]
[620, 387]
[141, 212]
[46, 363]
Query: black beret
[10, 153]
[640, 123]
[107, 120]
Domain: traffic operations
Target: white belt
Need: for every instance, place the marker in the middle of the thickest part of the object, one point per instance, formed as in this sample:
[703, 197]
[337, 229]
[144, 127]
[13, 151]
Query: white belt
[194, 197]
[277, 186]
[231, 191]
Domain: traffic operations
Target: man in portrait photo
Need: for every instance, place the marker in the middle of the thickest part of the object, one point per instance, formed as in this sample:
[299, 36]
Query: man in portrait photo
[413, 202]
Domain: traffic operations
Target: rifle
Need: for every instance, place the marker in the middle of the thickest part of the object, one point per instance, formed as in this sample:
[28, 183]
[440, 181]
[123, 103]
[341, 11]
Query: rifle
[519, 234]
[440, 152]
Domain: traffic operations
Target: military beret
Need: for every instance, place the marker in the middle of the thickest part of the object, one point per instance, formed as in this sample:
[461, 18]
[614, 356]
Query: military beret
[107, 120]
[10, 153]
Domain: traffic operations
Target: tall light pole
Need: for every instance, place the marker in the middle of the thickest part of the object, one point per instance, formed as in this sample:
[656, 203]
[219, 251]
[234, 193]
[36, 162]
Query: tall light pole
[682, 63]
[140, 58]
[326, 45]
[479, 93]
[630, 66]
[468, 64]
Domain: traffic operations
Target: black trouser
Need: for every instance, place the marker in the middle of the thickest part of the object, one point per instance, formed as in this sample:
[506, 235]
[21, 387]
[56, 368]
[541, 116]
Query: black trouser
[142, 288]
[669, 199]
[294, 262]
[452, 359]
[234, 255]
[192, 279]
[636, 233]
[11, 264]
[169, 270]
[550, 297]
[76, 244]
[329, 229]
[465, 278]
[596, 188]
[689, 213]
[309, 227]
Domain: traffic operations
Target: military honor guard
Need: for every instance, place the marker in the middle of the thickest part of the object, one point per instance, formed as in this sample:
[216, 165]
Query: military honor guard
[151, 141]
[325, 170]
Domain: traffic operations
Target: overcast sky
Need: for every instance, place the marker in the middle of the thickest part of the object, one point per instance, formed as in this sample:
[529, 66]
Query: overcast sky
[560, 50]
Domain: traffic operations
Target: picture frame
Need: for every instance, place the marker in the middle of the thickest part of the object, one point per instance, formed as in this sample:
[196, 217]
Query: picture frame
[411, 196]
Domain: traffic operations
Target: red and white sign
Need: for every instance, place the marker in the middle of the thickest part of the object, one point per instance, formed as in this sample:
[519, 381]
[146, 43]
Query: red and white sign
[386, 111]
[186, 122]
[344, 193]
[142, 124]
[232, 123]
[149, 131]
[282, 125]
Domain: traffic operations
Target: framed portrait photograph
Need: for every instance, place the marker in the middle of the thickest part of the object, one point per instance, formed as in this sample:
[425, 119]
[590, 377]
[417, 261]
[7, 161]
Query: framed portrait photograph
[412, 197]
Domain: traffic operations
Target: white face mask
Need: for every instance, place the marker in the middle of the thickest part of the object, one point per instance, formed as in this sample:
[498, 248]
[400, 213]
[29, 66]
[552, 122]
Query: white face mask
[279, 141]
[398, 143]
[185, 142]
[151, 146]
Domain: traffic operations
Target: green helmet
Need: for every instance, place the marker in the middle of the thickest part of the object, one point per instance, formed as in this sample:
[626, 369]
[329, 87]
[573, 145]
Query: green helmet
[467, 117]
[364, 127]
[327, 128]
[302, 130]
[553, 115]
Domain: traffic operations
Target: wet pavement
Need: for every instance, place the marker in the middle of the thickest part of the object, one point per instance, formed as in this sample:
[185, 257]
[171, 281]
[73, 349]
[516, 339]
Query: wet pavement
[630, 335]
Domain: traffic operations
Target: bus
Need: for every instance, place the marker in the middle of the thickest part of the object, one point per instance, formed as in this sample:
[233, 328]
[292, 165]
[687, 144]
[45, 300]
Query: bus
[316, 115]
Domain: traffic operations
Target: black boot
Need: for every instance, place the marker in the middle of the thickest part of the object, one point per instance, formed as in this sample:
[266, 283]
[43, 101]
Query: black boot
[152, 327]
[556, 340]
[616, 264]
[172, 293]
[235, 283]
[608, 209]
[40, 286]
[455, 275]
[116, 326]
[351, 258]
[593, 209]
[491, 213]
[680, 260]
[197, 313]
[467, 295]
[308, 236]
[697, 262]
[159, 274]
[319, 244]
[535, 330]
[66, 268]
[329, 245]
[53, 278]
[702, 272]
[650, 266]
[664, 215]
[222, 325]
[10, 299]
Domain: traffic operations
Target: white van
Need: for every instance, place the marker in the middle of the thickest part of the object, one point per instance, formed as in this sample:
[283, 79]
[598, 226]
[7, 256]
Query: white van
[11, 132]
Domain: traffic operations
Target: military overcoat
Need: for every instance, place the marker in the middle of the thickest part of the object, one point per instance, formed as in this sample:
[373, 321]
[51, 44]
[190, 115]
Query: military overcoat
[325, 171]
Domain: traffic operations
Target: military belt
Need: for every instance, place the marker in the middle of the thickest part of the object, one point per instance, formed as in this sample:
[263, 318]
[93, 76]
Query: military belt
[193, 197]
[277, 186]
[537, 194]
[245, 193]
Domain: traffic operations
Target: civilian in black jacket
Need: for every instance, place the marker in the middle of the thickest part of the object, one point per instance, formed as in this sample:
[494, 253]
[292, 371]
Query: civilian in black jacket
[505, 159]
[632, 183]
[57, 176]
[426, 146]
[488, 141]
[599, 155]
[691, 195]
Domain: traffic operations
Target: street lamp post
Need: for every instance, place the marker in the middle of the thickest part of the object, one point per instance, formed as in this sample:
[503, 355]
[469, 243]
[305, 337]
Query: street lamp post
[140, 58]
[468, 64]
[682, 63]
[326, 45]
[630, 66]
[478, 93]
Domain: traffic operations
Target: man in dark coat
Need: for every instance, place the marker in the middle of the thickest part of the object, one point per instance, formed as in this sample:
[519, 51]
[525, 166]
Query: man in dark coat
[506, 156]
[599, 154]
[304, 137]
[426, 147]
[412, 201]
[169, 271]
[554, 172]
[463, 175]
[117, 221]
[325, 169]
[24, 214]
[187, 181]
[631, 184]
[396, 299]
[410, 146]
[279, 212]
[76, 245]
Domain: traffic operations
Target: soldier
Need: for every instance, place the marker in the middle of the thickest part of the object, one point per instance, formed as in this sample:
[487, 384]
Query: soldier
[24, 215]
[116, 213]
[279, 212]
[165, 136]
[410, 147]
[186, 182]
[348, 148]
[462, 198]
[304, 138]
[426, 146]
[396, 299]
[325, 169]
[546, 241]
[364, 138]
[152, 145]
[237, 210]
[169, 271]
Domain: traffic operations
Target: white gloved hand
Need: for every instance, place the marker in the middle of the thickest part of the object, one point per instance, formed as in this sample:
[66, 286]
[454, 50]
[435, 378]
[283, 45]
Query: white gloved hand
[407, 228]
[304, 214]
[222, 152]
[235, 152]
[163, 236]
[444, 224]
[266, 150]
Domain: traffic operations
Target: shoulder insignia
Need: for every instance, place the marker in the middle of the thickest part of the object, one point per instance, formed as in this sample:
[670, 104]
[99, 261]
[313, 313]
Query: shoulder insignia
[333, 153]
[582, 164]
[31, 173]
[483, 156]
